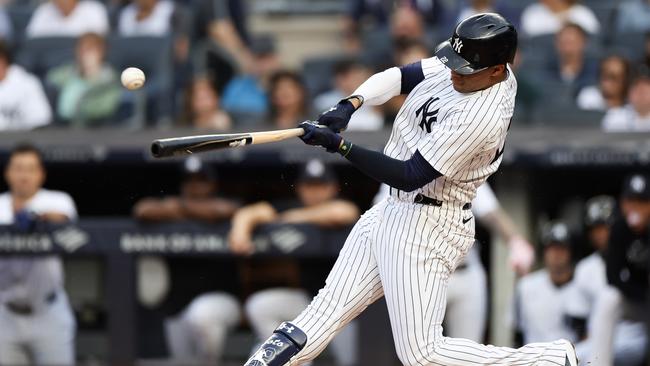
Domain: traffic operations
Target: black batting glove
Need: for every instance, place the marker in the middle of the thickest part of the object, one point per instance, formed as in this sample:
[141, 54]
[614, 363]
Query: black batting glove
[320, 135]
[337, 117]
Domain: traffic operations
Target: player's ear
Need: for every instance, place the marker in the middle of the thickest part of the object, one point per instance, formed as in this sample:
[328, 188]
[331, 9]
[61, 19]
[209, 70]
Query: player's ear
[498, 70]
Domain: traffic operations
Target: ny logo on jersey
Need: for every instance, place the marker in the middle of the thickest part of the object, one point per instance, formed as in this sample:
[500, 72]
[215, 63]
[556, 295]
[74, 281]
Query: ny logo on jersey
[458, 45]
[428, 118]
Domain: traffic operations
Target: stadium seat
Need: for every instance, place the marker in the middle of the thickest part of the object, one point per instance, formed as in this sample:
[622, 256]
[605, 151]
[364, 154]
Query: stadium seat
[629, 44]
[19, 16]
[38, 55]
[153, 55]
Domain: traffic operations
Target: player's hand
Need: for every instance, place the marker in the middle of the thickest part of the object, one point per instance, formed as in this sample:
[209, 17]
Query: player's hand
[337, 117]
[320, 135]
[522, 255]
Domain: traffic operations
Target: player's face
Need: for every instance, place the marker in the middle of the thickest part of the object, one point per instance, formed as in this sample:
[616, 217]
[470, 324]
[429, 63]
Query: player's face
[25, 174]
[197, 188]
[636, 213]
[316, 193]
[557, 260]
[598, 236]
[478, 81]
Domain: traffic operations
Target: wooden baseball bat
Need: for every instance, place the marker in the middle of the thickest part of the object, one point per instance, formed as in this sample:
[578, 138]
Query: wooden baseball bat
[193, 144]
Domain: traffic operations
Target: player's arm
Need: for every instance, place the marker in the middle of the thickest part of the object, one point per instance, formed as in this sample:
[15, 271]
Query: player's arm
[488, 211]
[378, 89]
[328, 214]
[405, 175]
[244, 223]
[214, 209]
[158, 210]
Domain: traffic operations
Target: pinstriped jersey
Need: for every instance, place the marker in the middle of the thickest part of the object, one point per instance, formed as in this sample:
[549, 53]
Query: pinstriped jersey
[462, 135]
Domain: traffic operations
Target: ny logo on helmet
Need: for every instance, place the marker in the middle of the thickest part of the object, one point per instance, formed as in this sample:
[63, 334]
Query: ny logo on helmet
[458, 45]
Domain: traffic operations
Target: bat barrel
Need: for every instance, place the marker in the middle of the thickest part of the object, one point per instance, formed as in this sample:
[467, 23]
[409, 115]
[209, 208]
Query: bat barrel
[160, 150]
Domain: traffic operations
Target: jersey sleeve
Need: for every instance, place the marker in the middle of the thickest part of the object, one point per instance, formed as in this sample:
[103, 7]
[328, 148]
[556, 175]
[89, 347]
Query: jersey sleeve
[456, 139]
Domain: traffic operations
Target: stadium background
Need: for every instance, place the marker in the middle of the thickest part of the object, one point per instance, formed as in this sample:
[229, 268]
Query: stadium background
[558, 155]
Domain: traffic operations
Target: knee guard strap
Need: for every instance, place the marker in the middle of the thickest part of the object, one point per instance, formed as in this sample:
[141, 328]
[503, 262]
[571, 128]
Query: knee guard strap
[285, 342]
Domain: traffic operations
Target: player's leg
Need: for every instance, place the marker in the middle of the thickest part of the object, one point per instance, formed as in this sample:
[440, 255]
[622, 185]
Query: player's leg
[351, 286]
[266, 309]
[200, 331]
[415, 269]
[607, 313]
[465, 316]
[53, 334]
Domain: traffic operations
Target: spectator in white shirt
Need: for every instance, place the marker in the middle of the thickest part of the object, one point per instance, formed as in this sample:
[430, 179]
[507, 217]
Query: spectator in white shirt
[68, 18]
[549, 16]
[612, 88]
[348, 75]
[636, 115]
[23, 104]
[157, 18]
[633, 16]
[36, 321]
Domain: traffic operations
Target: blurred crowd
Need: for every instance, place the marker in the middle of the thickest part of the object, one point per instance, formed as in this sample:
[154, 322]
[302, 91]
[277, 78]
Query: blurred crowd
[206, 70]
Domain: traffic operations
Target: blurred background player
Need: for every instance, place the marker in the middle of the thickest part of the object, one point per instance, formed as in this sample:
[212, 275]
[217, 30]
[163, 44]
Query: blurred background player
[277, 292]
[591, 280]
[467, 296]
[37, 325]
[188, 339]
[626, 260]
[542, 297]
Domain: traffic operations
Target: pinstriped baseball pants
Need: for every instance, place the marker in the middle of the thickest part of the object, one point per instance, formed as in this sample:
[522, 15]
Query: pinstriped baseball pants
[406, 252]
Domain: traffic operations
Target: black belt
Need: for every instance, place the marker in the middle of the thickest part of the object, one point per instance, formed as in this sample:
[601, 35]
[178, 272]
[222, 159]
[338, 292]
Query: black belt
[27, 309]
[424, 200]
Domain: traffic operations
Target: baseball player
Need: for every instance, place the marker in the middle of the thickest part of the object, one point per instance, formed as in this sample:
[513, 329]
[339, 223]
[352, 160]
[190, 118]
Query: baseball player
[37, 325]
[447, 139]
[591, 281]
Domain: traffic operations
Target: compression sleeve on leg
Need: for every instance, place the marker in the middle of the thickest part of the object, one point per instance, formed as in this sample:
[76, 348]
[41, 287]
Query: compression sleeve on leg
[405, 175]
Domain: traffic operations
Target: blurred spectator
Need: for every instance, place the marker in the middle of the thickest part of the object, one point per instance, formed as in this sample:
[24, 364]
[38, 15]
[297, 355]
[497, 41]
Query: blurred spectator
[633, 16]
[348, 75]
[188, 338]
[627, 260]
[549, 16]
[245, 94]
[88, 89]
[636, 115]
[5, 25]
[23, 104]
[157, 18]
[202, 108]
[473, 7]
[572, 67]
[542, 297]
[289, 100]
[197, 199]
[409, 51]
[69, 18]
[591, 280]
[379, 12]
[36, 320]
[407, 23]
[613, 85]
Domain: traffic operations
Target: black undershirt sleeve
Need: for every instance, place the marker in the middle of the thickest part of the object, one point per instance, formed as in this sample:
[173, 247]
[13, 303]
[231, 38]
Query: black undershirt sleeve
[405, 175]
[412, 75]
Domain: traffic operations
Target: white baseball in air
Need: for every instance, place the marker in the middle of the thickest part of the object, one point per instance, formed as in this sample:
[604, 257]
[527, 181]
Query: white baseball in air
[132, 78]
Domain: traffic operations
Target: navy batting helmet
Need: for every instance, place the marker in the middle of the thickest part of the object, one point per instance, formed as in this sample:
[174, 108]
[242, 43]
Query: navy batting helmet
[478, 42]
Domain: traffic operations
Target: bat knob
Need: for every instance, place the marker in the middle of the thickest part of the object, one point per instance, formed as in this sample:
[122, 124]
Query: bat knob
[157, 149]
